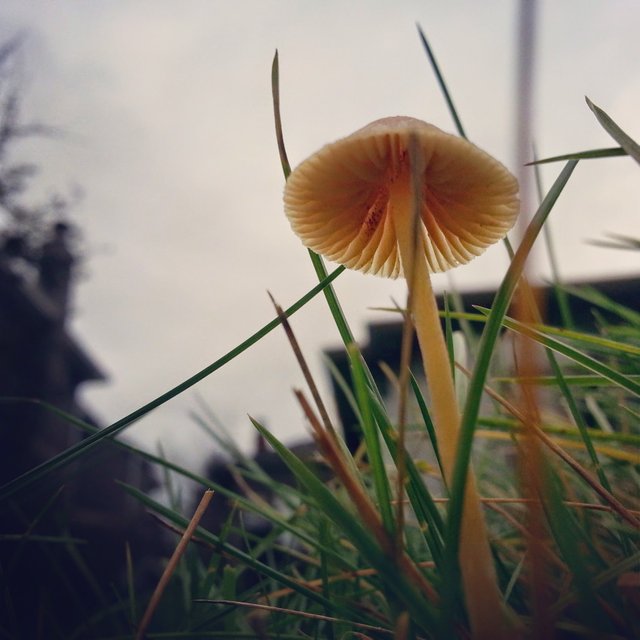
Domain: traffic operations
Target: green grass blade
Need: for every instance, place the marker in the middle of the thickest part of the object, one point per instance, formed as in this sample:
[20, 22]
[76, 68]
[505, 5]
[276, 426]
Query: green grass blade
[581, 380]
[131, 590]
[455, 313]
[610, 152]
[72, 453]
[560, 429]
[372, 439]
[624, 140]
[449, 100]
[483, 358]
[623, 381]
[572, 541]
[332, 300]
[448, 335]
[343, 385]
[617, 241]
[424, 508]
[275, 94]
[578, 419]
[599, 299]
[428, 422]
[323, 535]
[594, 341]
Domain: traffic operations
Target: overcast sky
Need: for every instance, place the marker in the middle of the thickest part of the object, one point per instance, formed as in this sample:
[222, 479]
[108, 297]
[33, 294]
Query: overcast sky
[167, 120]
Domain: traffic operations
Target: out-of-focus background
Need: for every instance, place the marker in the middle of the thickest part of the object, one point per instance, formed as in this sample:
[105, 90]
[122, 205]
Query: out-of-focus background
[163, 138]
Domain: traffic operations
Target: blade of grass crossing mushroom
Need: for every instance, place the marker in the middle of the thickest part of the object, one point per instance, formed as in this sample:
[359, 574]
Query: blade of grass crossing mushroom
[449, 100]
[73, 452]
[441, 83]
[483, 357]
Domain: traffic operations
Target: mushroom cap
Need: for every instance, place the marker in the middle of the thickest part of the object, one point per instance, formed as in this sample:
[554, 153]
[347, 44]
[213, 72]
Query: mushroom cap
[338, 203]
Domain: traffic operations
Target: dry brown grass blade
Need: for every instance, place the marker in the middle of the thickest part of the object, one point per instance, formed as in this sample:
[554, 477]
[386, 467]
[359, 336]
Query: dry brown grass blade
[302, 614]
[402, 627]
[181, 547]
[531, 466]
[326, 421]
[334, 457]
[609, 451]
[343, 576]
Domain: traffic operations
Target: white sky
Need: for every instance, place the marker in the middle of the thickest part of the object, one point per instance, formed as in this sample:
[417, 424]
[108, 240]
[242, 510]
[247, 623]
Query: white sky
[166, 109]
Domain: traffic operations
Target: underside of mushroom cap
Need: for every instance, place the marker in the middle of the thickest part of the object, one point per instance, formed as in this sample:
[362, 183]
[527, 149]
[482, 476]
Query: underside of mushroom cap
[338, 200]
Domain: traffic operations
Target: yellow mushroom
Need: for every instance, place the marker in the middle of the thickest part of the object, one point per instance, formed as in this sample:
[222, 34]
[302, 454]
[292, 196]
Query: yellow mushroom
[402, 197]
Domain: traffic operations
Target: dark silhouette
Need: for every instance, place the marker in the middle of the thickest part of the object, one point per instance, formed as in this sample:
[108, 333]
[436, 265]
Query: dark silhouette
[55, 265]
[62, 542]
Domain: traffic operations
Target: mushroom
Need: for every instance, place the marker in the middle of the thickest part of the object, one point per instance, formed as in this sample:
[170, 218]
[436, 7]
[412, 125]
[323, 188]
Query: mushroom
[402, 197]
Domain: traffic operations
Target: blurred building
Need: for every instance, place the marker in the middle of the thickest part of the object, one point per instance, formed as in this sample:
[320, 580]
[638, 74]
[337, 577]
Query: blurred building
[42, 362]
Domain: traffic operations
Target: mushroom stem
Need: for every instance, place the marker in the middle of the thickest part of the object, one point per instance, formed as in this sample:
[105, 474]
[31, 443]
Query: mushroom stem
[482, 595]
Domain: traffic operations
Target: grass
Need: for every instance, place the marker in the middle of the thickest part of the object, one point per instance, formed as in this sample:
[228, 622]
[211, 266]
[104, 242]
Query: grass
[360, 547]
